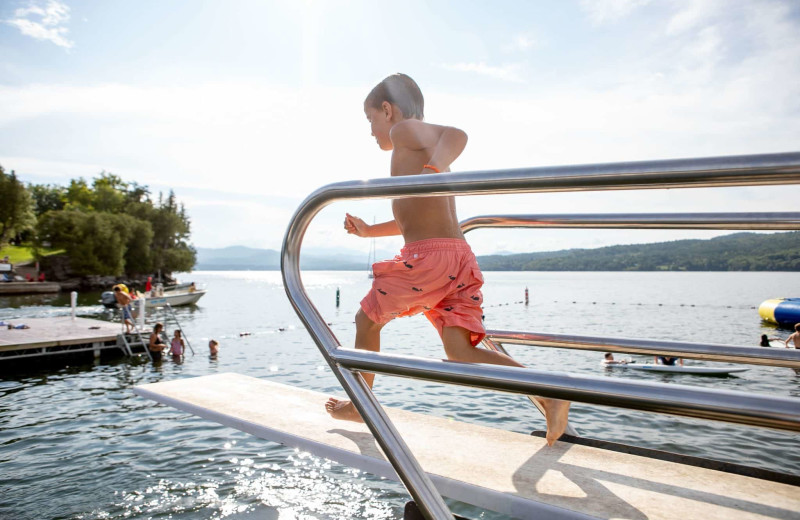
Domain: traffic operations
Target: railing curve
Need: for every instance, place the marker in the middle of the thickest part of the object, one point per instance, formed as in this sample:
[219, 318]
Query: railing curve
[749, 170]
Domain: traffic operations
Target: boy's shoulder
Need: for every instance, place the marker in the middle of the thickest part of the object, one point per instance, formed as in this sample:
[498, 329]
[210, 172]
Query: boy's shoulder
[413, 133]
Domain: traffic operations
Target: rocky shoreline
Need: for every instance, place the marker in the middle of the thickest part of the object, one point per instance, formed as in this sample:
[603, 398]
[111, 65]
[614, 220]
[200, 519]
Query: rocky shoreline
[57, 269]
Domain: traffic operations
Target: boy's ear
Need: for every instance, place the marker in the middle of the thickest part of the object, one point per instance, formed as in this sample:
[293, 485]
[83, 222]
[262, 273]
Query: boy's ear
[388, 110]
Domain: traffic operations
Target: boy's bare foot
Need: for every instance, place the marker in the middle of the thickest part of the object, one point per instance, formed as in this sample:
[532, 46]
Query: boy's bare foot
[556, 412]
[342, 410]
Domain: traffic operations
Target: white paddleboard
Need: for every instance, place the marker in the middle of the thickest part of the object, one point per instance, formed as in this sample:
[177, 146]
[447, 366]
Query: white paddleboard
[677, 369]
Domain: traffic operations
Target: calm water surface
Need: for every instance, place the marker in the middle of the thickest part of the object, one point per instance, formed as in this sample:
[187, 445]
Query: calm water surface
[78, 444]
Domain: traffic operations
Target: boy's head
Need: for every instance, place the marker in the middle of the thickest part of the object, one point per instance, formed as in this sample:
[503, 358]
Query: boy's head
[797, 327]
[609, 355]
[402, 92]
[394, 99]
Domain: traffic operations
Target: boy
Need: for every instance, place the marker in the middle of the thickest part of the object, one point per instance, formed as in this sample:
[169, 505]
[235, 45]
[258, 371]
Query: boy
[124, 300]
[213, 349]
[794, 337]
[608, 359]
[436, 272]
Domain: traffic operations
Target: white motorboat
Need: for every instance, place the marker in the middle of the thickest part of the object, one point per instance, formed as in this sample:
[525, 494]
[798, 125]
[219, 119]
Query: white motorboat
[175, 298]
[183, 294]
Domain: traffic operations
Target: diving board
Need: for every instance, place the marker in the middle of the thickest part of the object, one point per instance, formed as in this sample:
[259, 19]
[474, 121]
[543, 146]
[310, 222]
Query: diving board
[512, 473]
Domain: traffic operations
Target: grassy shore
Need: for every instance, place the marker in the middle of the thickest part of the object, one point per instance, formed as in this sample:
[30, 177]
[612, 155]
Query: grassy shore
[24, 253]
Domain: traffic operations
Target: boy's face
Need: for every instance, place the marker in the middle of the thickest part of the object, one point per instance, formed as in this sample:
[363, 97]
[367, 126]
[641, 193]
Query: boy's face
[380, 120]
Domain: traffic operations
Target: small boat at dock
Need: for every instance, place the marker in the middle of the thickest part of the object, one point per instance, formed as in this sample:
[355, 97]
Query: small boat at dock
[176, 296]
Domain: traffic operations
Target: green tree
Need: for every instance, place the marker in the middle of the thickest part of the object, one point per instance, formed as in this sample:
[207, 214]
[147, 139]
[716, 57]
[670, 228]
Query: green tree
[99, 242]
[109, 193]
[171, 231]
[16, 210]
[79, 196]
[113, 227]
[47, 197]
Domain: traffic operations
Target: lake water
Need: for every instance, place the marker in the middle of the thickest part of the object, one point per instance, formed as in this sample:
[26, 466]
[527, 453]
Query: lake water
[78, 444]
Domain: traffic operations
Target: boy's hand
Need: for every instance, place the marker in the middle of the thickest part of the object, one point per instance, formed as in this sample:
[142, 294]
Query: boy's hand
[355, 226]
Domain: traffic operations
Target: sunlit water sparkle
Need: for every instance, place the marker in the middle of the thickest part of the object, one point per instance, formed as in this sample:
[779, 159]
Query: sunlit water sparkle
[78, 444]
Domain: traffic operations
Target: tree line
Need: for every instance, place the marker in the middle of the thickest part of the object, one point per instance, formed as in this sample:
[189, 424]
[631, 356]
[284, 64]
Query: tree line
[106, 227]
[735, 252]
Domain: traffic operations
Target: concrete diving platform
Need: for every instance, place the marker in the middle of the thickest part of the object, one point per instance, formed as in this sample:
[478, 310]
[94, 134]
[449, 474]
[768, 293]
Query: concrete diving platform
[511, 473]
[57, 336]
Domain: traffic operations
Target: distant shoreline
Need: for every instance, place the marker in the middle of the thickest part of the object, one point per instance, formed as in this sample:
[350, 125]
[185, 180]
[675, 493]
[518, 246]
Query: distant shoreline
[736, 252]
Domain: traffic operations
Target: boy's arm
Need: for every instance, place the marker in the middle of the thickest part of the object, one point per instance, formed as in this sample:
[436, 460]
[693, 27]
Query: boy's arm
[357, 226]
[451, 143]
[443, 143]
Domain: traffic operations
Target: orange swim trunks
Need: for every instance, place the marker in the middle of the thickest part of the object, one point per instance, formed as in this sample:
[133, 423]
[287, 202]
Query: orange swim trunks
[439, 277]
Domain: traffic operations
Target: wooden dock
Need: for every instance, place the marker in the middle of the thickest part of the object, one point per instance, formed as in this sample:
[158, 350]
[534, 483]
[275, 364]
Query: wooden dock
[29, 288]
[53, 336]
[512, 473]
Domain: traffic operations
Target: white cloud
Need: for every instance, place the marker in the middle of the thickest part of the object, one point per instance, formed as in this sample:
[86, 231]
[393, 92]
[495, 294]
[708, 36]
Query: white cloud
[507, 72]
[44, 22]
[602, 11]
[524, 42]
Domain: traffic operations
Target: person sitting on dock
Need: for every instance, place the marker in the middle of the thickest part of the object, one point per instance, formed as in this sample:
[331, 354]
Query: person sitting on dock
[667, 360]
[124, 301]
[794, 337]
[436, 272]
[156, 346]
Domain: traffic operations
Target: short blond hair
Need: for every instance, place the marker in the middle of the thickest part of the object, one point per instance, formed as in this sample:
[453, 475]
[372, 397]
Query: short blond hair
[401, 91]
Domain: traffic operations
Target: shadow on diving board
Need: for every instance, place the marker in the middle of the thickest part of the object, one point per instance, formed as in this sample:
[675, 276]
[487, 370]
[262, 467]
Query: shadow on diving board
[508, 472]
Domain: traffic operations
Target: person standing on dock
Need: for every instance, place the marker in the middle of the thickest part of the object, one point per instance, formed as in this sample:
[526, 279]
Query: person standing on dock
[436, 272]
[124, 300]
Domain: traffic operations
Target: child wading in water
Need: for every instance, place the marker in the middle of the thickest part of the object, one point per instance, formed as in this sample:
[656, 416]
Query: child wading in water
[177, 346]
[436, 272]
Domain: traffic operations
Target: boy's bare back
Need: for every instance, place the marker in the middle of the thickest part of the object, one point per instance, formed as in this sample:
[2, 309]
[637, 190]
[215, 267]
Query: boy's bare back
[414, 145]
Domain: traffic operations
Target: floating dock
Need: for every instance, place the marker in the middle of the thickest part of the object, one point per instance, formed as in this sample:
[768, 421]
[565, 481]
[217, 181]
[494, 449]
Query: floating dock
[512, 473]
[29, 288]
[58, 336]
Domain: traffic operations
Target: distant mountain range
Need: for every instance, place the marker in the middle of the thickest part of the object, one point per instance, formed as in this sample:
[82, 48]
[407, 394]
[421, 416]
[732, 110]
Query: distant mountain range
[242, 258]
[735, 252]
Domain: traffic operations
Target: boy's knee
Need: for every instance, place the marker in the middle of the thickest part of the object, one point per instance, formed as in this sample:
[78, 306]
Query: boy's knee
[456, 343]
[458, 351]
[363, 322]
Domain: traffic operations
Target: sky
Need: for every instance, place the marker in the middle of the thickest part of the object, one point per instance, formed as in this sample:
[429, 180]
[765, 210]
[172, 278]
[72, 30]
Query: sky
[244, 107]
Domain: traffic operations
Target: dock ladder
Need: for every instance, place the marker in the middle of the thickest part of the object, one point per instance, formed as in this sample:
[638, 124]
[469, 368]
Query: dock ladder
[136, 339]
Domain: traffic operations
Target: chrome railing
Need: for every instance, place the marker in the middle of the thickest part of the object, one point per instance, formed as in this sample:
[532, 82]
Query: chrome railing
[735, 407]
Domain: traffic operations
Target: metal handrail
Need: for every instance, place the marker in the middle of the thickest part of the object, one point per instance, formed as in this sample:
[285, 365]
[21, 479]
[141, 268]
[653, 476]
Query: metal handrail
[749, 221]
[703, 403]
[752, 170]
[789, 358]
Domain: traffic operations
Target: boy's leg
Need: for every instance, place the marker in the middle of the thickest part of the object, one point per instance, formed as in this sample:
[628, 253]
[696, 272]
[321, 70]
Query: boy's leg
[457, 347]
[368, 337]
